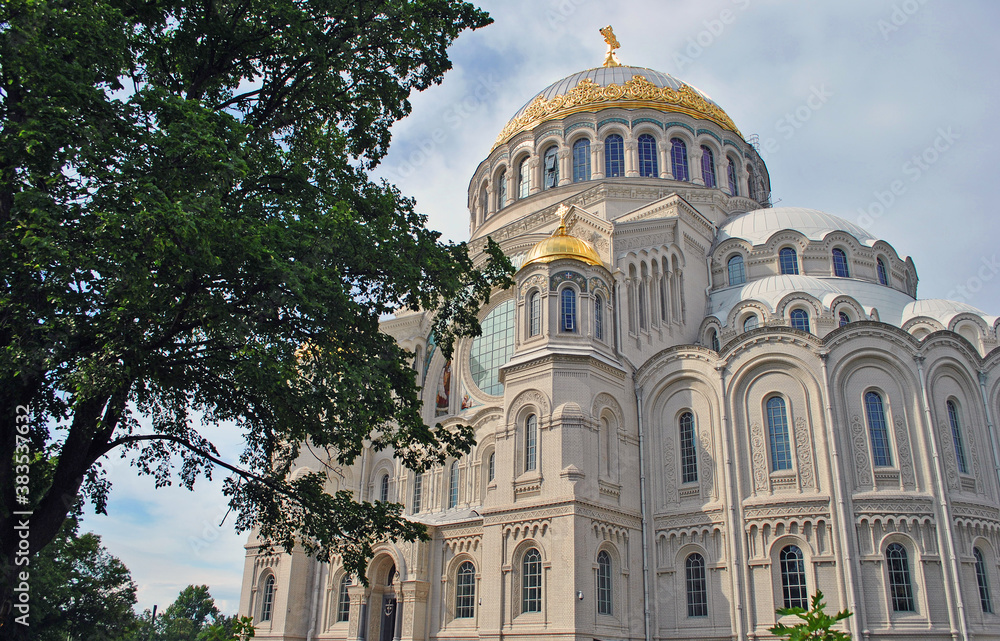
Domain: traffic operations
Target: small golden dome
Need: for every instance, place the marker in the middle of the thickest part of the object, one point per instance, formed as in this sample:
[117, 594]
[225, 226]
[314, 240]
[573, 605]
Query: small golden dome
[561, 245]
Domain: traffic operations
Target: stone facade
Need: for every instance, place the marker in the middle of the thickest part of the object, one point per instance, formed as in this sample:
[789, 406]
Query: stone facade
[676, 442]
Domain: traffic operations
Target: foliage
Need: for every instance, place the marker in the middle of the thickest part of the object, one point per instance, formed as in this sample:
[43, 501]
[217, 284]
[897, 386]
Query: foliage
[232, 629]
[80, 591]
[187, 225]
[816, 624]
[192, 616]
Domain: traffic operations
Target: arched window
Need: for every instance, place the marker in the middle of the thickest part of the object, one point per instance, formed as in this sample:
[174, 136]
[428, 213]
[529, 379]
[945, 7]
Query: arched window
[840, 264]
[734, 186]
[793, 578]
[752, 322]
[737, 273]
[491, 467]
[465, 591]
[484, 199]
[598, 317]
[689, 456]
[581, 160]
[614, 156]
[604, 594]
[777, 429]
[267, 599]
[534, 314]
[956, 436]
[800, 319]
[453, 485]
[883, 275]
[641, 286]
[679, 159]
[418, 482]
[900, 589]
[788, 261]
[523, 178]
[567, 310]
[383, 489]
[982, 580]
[343, 601]
[752, 184]
[714, 339]
[648, 165]
[877, 429]
[501, 190]
[531, 588]
[697, 592]
[844, 318]
[530, 442]
[707, 166]
[550, 168]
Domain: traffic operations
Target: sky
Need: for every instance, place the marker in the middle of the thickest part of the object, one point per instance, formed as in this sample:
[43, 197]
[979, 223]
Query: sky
[877, 111]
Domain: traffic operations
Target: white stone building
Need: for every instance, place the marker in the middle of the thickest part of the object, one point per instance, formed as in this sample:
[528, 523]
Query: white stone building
[691, 410]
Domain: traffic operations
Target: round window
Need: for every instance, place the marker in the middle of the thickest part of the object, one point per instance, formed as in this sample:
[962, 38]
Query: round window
[493, 349]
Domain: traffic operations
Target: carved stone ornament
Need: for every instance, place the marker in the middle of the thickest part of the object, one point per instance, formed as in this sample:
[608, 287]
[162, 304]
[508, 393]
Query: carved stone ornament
[950, 469]
[759, 458]
[669, 469]
[804, 452]
[905, 460]
[862, 470]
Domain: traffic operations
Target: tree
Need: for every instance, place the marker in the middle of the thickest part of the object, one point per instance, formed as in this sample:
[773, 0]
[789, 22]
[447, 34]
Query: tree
[80, 590]
[192, 615]
[816, 624]
[187, 226]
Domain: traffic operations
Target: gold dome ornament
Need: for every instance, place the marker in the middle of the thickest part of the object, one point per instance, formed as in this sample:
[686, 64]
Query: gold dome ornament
[611, 60]
[561, 245]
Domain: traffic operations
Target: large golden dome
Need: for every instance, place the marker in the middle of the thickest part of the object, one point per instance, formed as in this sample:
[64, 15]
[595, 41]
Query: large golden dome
[615, 86]
[561, 245]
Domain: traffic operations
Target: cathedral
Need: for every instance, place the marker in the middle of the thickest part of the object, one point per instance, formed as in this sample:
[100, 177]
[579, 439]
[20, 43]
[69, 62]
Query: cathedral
[691, 409]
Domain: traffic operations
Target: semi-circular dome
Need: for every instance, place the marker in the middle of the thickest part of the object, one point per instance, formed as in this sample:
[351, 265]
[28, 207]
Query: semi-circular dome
[561, 245]
[603, 87]
[759, 225]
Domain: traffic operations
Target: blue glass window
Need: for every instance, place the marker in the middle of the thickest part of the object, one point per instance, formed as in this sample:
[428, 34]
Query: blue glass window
[844, 318]
[534, 314]
[956, 436]
[777, 429]
[878, 430]
[840, 264]
[737, 273]
[750, 323]
[793, 578]
[788, 261]
[343, 601]
[567, 311]
[883, 275]
[581, 160]
[648, 165]
[530, 442]
[501, 190]
[697, 592]
[267, 599]
[679, 159]
[614, 156]
[800, 319]
[418, 490]
[523, 178]
[493, 348]
[453, 486]
[604, 593]
[734, 188]
[900, 588]
[689, 455]
[531, 589]
[550, 168]
[598, 317]
[465, 591]
[707, 166]
[982, 580]
[714, 339]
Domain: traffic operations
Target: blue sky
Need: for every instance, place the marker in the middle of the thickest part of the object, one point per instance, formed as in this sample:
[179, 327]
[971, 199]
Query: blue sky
[899, 137]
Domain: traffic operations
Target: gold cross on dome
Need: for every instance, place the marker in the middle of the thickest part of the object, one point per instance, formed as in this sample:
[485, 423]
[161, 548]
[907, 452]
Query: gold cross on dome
[611, 60]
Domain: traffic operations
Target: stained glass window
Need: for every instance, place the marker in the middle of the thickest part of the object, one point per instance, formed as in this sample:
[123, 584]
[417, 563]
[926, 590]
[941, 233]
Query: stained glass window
[493, 348]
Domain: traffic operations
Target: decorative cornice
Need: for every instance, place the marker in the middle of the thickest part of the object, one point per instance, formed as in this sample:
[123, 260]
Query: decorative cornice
[634, 94]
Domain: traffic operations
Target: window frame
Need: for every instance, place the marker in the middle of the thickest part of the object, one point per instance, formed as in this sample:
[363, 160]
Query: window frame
[531, 594]
[343, 613]
[524, 178]
[752, 318]
[614, 156]
[956, 436]
[501, 190]
[778, 437]
[734, 183]
[798, 318]
[679, 160]
[598, 317]
[708, 167]
[418, 491]
[843, 319]
[982, 580]
[268, 588]
[878, 429]
[788, 261]
[568, 310]
[899, 578]
[453, 484]
[792, 565]
[736, 260]
[581, 160]
[687, 441]
[465, 579]
[649, 166]
[605, 584]
[696, 586]
[383, 491]
[531, 442]
[841, 266]
[882, 272]
[550, 174]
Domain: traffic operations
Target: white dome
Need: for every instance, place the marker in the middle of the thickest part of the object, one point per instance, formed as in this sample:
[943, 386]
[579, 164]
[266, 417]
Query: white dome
[759, 225]
[942, 310]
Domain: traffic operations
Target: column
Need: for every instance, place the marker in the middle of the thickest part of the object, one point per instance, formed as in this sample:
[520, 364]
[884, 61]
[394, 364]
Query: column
[597, 160]
[535, 171]
[663, 147]
[565, 167]
[694, 165]
[631, 152]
